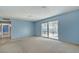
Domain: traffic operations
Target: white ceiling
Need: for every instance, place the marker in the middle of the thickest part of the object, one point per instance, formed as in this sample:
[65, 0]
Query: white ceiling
[33, 13]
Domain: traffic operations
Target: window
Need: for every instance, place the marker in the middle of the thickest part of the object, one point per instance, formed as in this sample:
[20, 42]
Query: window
[5, 28]
[44, 30]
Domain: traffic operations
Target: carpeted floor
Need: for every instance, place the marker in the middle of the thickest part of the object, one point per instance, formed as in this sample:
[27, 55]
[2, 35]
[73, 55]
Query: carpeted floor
[37, 45]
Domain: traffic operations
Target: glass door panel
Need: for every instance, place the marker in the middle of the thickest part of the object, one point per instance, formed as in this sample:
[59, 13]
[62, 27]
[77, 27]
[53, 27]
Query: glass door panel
[53, 29]
[44, 30]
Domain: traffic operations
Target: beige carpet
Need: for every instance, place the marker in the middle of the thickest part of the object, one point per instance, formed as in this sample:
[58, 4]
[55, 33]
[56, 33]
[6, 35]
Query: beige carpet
[37, 45]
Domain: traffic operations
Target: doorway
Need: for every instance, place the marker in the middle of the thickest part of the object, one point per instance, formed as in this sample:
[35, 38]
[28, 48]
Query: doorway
[5, 30]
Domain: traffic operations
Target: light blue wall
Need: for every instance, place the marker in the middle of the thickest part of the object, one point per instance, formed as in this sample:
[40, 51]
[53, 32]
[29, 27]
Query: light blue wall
[22, 29]
[68, 27]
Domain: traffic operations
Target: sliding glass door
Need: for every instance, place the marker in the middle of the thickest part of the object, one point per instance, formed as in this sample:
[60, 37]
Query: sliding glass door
[53, 29]
[44, 30]
[50, 29]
